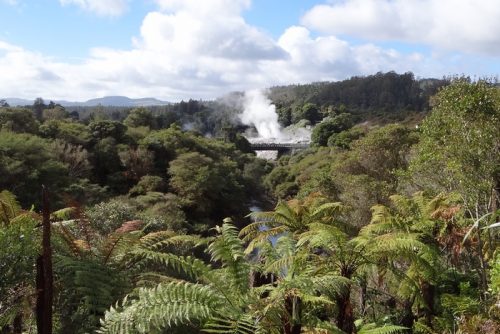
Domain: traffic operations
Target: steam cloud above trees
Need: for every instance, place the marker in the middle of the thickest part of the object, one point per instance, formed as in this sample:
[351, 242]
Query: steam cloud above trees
[261, 113]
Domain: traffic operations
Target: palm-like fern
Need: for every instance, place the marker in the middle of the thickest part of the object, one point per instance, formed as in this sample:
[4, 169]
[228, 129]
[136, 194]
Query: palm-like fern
[90, 272]
[163, 306]
[218, 298]
[401, 240]
[293, 216]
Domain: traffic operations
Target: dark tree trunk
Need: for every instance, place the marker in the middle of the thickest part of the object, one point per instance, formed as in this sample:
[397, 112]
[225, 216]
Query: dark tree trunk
[44, 279]
[363, 296]
[428, 293]
[345, 317]
[18, 324]
[408, 317]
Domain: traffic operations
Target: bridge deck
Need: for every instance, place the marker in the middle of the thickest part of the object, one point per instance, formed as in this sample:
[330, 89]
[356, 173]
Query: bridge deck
[278, 146]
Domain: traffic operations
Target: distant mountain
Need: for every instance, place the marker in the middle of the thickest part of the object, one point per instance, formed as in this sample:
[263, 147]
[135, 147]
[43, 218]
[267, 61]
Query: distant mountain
[121, 101]
[115, 101]
[17, 102]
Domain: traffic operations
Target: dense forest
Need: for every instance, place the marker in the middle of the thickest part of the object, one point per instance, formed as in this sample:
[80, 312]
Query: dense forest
[163, 220]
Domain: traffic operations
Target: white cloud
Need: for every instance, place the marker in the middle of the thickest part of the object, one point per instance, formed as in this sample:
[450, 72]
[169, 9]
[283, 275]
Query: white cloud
[200, 49]
[100, 7]
[223, 7]
[469, 26]
[11, 2]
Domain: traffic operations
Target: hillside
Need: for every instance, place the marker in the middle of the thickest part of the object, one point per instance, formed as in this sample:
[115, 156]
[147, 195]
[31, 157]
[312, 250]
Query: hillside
[384, 97]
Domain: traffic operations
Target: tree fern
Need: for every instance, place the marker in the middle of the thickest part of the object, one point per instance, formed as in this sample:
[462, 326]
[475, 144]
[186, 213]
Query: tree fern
[164, 306]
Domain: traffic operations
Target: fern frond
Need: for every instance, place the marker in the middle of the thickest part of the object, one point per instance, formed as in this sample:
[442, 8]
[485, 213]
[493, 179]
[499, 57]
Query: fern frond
[327, 209]
[193, 267]
[162, 307]
[264, 236]
[243, 324]
[321, 235]
[63, 214]
[314, 300]
[279, 266]
[251, 230]
[321, 327]
[398, 243]
[271, 218]
[162, 239]
[94, 284]
[420, 328]
[331, 285]
[116, 245]
[386, 329]
[228, 249]
[70, 240]
[9, 207]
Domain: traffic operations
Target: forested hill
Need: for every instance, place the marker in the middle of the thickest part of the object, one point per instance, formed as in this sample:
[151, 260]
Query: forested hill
[382, 98]
[386, 96]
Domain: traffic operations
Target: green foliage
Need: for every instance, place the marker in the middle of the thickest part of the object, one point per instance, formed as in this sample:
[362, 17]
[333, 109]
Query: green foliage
[386, 329]
[137, 162]
[405, 234]
[163, 306]
[18, 120]
[147, 183]
[108, 216]
[385, 97]
[90, 267]
[200, 181]
[163, 212]
[139, 117]
[9, 207]
[76, 158]
[308, 111]
[71, 132]
[85, 192]
[459, 144]
[55, 113]
[108, 166]
[27, 162]
[330, 126]
[344, 139]
[173, 303]
[19, 247]
[90, 287]
[105, 128]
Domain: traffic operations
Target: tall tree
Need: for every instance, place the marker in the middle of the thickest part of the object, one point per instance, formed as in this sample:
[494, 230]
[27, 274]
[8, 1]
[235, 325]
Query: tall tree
[460, 151]
[38, 107]
[459, 148]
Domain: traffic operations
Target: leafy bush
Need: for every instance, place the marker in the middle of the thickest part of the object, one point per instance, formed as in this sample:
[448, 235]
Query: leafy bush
[108, 216]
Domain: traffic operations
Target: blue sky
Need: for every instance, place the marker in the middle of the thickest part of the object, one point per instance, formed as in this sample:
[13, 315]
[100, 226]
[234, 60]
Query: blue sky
[49, 27]
[177, 49]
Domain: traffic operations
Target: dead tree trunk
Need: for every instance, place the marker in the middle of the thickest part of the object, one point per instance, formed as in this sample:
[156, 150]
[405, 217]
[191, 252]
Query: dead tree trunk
[44, 278]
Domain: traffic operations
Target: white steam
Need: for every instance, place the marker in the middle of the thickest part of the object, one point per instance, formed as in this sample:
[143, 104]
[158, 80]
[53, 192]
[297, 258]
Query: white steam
[261, 113]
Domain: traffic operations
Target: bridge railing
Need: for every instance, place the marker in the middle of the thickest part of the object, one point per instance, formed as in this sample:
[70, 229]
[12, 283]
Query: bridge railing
[278, 146]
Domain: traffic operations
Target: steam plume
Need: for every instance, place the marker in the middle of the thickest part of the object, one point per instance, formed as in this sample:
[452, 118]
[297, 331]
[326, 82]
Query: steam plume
[261, 113]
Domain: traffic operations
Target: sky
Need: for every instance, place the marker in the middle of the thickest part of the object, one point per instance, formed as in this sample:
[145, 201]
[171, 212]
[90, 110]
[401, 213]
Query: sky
[201, 49]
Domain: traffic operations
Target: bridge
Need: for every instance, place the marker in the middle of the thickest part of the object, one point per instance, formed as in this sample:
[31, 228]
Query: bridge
[282, 148]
